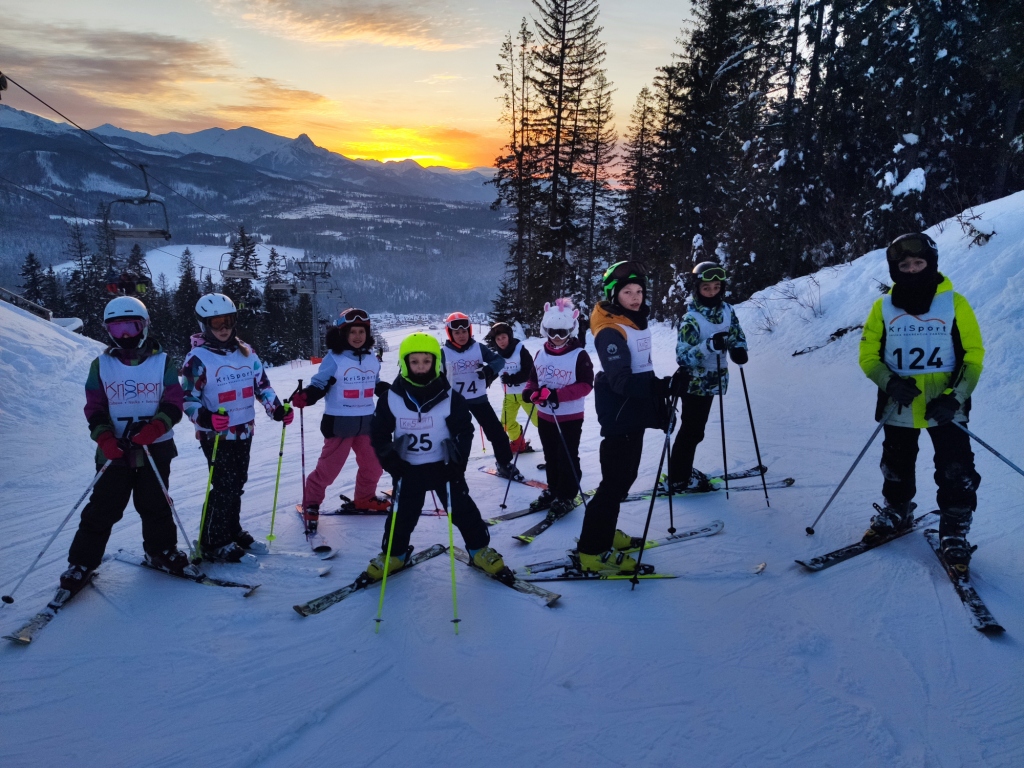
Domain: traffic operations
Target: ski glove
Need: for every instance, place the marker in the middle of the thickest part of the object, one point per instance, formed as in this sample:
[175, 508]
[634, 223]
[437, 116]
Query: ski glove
[738, 355]
[150, 433]
[284, 414]
[901, 390]
[220, 422]
[300, 400]
[679, 382]
[108, 444]
[393, 464]
[661, 388]
[506, 379]
[381, 389]
[942, 409]
[542, 396]
[719, 342]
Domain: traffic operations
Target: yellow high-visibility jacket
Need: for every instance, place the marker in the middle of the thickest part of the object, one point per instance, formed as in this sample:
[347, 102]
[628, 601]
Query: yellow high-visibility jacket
[969, 352]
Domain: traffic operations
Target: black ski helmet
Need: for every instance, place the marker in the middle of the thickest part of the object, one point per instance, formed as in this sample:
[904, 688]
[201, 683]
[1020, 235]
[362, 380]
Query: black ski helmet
[912, 244]
[708, 272]
[620, 274]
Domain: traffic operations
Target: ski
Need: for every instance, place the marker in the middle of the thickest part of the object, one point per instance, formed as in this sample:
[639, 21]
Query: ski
[567, 562]
[316, 541]
[717, 484]
[349, 509]
[192, 573]
[527, 511]
[527, 536]
[322, 603]
[27, 633]
[524, 481]
[821, 562]
[981, 617]
[575, 574]
[509, 579]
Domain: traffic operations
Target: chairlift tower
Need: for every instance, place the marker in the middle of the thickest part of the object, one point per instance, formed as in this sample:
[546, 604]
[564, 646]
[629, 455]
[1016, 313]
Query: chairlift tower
[312, 271]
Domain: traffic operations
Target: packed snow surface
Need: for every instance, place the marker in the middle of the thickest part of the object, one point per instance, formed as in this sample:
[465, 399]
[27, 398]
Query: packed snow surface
[871, 663]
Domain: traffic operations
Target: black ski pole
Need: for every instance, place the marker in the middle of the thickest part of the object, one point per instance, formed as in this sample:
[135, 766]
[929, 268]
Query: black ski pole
[650, 509]
[668, 473]
[994, 452]
[565, 446]
[721, 418]
[515, 459]
[881, 423]
[757, 450]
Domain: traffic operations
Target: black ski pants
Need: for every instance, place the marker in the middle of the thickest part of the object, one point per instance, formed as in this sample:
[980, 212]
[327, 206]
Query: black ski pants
[955, 475]
[620, 463]
[109, 499]
[411, 493]
[562, 470]
[493, 430]
[230, 473]
[693, 419]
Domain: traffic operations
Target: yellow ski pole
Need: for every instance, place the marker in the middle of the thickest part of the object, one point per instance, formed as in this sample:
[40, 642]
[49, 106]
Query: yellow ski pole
[206, 502]
[277, 482]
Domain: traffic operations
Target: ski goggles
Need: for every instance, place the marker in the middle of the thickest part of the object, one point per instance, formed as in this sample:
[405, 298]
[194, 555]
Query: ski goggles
[711, 274]
[460, 324]
[352, 316]
[221, 323]
[909, 245]
[125, 329]
[558, 333]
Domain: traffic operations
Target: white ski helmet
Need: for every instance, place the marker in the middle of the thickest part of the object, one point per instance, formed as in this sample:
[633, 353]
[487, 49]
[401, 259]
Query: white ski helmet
[213, 305]
[127, 308]
[560, 316]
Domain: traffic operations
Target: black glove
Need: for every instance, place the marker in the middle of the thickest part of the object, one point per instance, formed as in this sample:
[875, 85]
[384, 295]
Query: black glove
[506, 379]
[902, 391]
[381, 388]
[942, 409]
[660, 388]
[738, 355]
[487, 374]
[679, 382]
[719, 342]
[393, 464]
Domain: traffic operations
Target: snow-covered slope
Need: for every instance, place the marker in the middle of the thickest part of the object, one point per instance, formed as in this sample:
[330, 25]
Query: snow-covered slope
[872, 663]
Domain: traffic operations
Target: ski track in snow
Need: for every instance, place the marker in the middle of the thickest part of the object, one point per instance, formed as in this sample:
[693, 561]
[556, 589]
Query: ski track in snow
[871, 663]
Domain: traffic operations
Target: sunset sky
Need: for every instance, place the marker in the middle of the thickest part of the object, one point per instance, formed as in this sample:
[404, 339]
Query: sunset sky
[390, 79]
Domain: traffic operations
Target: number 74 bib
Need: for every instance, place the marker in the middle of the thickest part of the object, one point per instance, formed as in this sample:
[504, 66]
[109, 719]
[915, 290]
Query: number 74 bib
[920, 344]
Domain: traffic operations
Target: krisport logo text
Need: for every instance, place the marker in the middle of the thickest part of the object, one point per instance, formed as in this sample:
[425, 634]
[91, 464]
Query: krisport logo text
[129, 390]
[228, 374]
[416, 425]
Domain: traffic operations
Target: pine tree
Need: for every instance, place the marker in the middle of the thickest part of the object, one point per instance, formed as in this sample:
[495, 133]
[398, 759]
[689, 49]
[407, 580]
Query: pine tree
[85, 296]
[274, 346]
[32, 275]
[241, 289]
[53, 293]
[183, 306]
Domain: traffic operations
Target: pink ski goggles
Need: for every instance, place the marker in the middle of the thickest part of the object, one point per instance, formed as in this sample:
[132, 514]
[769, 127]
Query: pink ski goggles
[124, 329]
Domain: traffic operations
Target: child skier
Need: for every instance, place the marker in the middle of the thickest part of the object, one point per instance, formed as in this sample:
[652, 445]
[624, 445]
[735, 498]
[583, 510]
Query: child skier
[518, 366]
[922, 347]
[222, 378]
[562, 377]
[132, 399]
[348, 377]
[709, 328]
[629, 399]
[470, 369]
[422, 433]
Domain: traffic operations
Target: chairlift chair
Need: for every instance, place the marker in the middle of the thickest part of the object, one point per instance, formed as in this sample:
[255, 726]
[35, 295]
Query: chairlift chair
[234, 273]
[140, 233]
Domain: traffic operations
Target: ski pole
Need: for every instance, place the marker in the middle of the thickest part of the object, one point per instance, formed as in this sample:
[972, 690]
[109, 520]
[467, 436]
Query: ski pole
[515, 459]
[721, 418]
[483, 445]
[753, 432]
[994, 452]
[668, 474]
[650, 509]
[302, 448]
[277, 482]
[387, 555]
[170, 501]
[9, 598]
[451, 552]
[881, 423]
[198, 554]
[565, 446]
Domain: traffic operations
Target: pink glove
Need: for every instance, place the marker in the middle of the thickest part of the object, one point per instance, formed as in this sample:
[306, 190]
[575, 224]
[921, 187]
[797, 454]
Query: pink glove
[288, 417]
[541, 396]
[299, 400]
[220, 422]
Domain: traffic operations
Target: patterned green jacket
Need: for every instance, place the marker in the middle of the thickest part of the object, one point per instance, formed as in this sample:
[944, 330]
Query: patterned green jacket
[694, 354]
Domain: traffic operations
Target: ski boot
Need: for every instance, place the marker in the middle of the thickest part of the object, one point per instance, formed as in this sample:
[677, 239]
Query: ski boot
[519, 445]
[373, 504]
[890, 520]
[956, 551]
[248, 542]
[375, 570]
[509, 472]
[624, 541]
[698, 483]
[174, 561]
[226, 553]
[610, 562]
[74, 578]
[561, 508]
[490, 562]
[311, 516]
[543, 501]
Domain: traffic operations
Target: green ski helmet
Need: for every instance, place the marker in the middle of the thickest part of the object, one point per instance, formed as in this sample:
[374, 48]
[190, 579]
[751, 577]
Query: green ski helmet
[418, 342]
[622, 273]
